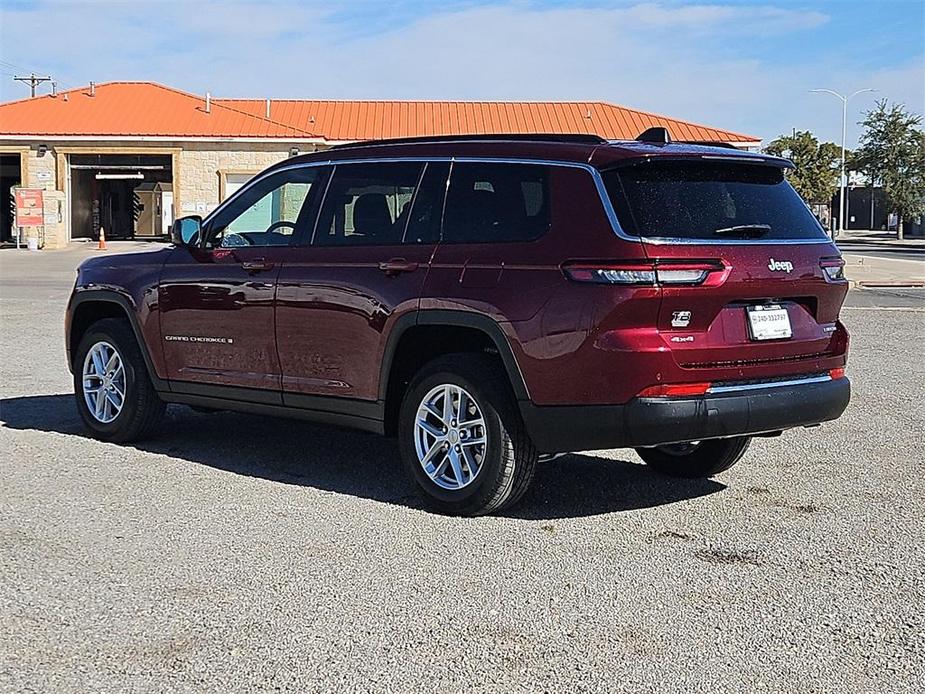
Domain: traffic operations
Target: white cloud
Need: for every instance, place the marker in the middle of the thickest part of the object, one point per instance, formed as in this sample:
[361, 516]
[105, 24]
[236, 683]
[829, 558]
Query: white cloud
[685, 60]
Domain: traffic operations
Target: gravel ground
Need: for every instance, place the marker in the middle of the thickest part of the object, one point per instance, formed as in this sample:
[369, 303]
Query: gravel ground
[238, 553]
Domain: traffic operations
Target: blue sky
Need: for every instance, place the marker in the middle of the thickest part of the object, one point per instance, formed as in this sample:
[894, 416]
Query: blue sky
[745, 66]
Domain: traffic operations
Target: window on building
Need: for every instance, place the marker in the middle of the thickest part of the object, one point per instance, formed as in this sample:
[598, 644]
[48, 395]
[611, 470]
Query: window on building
[367, 204]
[496, 202]
[267, 213]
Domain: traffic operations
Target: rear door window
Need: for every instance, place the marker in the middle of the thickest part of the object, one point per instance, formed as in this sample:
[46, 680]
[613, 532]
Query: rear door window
[492, 203]
[709, 201]
[367, 204]
[427, 208]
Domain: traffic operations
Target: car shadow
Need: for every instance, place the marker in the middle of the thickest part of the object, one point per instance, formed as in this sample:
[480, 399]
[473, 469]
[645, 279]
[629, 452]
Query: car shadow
[364, 465]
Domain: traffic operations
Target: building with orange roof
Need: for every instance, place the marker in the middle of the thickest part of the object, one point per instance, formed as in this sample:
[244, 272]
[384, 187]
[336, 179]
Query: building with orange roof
[130, 156]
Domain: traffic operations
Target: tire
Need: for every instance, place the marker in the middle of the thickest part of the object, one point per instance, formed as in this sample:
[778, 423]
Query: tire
[504, 464]
[141, 410]
[701, 459]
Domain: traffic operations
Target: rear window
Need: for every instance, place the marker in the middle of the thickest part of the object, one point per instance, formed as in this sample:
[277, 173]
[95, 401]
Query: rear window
[709, 200]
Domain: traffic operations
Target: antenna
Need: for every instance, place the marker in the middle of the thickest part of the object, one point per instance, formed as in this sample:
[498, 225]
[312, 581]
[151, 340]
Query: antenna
[33, 81]
[655, 136]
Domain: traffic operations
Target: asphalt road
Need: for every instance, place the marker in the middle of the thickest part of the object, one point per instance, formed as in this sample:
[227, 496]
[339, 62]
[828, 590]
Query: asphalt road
[236, 553]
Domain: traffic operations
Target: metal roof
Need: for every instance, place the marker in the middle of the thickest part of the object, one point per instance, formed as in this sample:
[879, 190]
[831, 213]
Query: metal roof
[376, 120]
[150, 110]
[137, 109]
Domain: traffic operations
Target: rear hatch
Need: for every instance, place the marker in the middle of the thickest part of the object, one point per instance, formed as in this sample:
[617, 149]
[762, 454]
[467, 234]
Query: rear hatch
[750, 284]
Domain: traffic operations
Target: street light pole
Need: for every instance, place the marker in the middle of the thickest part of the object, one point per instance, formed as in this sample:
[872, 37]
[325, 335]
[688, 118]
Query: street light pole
[843, 181]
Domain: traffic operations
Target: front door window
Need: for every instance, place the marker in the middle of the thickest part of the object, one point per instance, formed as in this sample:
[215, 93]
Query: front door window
[267, 213]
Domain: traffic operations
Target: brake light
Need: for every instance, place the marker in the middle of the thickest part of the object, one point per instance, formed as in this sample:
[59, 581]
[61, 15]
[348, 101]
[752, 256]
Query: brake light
[652, 273]
[667, 390]
[833, 268]
[837, 373]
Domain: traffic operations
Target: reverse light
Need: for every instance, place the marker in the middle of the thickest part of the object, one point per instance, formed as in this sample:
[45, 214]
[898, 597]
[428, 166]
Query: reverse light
[834, 269]
[650, 273]
[668, 390]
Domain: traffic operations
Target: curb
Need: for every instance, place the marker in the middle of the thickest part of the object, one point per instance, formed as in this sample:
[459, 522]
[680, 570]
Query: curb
[890, 283]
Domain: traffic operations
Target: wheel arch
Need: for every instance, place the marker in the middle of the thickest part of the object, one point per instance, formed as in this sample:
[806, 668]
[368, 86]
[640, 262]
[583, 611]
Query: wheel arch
[478, 333]
[90, 306]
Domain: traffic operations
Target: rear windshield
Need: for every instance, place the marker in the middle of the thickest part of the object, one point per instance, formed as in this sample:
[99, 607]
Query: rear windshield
[709, 200]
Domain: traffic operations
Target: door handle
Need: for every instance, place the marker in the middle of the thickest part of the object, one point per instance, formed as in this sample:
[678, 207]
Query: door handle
[396, 265]
[257, 265]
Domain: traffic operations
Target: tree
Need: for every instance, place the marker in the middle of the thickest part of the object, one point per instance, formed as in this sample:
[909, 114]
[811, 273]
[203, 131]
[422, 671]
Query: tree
[817, 164]
[892, 153]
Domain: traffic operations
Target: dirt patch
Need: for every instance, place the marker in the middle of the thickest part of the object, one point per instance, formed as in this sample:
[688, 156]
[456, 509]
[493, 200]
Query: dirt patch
[762, 491]
[727, 556]
[672, 535]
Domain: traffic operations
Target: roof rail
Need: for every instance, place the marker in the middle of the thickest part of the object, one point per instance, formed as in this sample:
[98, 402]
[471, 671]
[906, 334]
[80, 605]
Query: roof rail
[707, 143]
[493, 137]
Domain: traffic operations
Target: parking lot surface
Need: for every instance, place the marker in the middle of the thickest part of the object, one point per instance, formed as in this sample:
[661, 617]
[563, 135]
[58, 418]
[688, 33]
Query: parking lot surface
[239, 553]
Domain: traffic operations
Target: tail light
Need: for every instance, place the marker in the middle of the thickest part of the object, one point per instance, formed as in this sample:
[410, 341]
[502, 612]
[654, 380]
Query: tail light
[834, 269]
[650, 273]
[837, 373]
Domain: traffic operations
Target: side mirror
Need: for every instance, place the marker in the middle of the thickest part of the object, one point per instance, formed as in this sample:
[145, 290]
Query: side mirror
[185, 231]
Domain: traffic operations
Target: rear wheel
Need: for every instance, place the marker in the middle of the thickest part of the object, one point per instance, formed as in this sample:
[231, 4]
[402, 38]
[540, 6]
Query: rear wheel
[115, 397]
[461, 437]
[696, 458]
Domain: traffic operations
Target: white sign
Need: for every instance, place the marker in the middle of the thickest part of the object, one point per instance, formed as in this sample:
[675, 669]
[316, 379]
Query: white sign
[43, 176]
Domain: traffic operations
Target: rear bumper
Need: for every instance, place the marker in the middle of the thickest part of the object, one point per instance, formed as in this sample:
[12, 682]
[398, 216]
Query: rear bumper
[654, 421]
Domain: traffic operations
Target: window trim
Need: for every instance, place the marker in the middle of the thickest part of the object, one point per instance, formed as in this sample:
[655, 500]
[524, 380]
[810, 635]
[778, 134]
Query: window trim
[592, 170]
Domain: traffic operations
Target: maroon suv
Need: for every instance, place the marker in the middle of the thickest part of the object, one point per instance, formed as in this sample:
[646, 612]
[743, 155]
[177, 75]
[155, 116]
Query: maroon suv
[487, 300]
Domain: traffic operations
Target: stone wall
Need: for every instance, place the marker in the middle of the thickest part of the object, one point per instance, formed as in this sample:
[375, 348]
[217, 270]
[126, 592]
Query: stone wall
[201, 167]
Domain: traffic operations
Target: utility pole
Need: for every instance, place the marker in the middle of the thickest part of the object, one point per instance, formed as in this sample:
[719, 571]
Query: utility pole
[33, 81]
[843, 181]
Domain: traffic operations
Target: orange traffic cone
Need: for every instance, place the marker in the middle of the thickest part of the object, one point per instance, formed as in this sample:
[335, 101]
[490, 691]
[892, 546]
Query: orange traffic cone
[102, 246]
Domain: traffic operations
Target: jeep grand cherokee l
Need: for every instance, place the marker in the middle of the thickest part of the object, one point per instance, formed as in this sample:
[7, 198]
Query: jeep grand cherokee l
[488, 300]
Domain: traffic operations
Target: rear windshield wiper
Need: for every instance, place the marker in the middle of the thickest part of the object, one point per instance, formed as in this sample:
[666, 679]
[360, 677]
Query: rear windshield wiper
[744, 230]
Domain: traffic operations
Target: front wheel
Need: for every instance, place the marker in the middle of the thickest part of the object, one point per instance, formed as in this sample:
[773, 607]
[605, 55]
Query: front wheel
[461, 438]
[696, 458]
[115, 397]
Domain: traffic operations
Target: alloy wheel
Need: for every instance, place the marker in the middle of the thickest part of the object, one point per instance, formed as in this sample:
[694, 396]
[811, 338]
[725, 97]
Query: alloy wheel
[103, 382]
[450, 436]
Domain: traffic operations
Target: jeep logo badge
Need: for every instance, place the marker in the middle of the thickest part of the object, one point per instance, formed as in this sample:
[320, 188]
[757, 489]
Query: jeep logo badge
[780, 265]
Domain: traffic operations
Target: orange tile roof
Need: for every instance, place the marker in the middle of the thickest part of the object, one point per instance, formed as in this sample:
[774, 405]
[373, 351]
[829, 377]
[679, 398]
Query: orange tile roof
[147, 109]
[373, 120]
[135, 109]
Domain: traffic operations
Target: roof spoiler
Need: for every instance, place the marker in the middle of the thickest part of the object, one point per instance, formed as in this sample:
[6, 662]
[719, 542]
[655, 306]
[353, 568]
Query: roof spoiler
[655, 136]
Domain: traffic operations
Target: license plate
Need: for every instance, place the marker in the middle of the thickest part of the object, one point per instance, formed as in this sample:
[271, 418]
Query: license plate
[769, 322]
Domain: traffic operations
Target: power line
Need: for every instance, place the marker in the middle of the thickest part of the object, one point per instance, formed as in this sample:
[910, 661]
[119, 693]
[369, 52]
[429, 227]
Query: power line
[33, 81]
